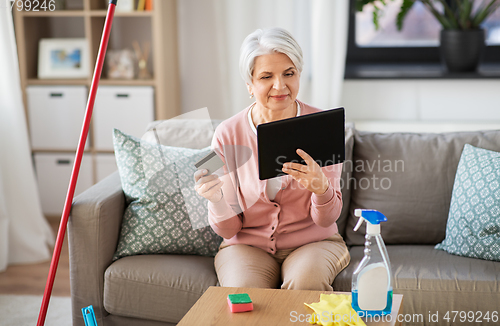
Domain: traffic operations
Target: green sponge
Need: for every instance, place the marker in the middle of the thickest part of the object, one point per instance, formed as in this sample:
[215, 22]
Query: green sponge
[239, 302]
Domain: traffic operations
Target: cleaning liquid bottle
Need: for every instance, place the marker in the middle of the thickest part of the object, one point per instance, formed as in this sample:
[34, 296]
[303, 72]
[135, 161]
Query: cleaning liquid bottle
[372, 279]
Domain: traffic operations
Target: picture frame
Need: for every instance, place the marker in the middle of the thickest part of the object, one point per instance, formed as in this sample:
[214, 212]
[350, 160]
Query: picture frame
[120, 64]
[63, 58]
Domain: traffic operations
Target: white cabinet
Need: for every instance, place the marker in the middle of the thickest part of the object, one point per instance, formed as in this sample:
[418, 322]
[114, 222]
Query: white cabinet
[55, 116]
[129, 109]
[53, 171]
[105, 165]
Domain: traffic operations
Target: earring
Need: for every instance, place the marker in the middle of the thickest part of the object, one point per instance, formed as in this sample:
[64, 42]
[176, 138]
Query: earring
[251, 96]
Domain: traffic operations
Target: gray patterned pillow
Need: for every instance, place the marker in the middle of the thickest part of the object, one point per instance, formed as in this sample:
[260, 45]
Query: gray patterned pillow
[164, 215]
[473, 227]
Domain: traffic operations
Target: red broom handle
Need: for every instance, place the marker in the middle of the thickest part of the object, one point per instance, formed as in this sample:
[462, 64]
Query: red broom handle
[78, 161]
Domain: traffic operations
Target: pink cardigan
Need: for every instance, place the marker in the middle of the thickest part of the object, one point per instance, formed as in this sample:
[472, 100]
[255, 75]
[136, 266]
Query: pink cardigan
[245, 215]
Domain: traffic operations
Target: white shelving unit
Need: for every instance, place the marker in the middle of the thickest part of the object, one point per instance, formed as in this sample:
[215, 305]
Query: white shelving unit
[55, 107]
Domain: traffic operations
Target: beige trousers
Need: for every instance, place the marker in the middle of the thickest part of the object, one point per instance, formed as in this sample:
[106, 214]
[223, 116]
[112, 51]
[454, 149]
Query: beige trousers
[313, 266]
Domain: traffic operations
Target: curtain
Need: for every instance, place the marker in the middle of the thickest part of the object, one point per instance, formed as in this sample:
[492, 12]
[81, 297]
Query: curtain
[211, 33]
[25, 235]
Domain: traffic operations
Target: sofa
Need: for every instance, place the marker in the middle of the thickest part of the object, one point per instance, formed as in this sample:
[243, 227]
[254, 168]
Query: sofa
[408, 177]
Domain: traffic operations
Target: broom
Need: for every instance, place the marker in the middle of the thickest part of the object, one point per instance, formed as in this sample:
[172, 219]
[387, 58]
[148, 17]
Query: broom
[78, 160]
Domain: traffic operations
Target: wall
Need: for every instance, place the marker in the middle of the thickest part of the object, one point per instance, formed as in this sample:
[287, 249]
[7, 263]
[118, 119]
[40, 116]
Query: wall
[201, 66]
[445, 101]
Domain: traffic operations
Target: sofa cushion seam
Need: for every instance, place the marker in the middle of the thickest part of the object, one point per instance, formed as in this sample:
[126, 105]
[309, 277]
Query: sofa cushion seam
[162, 285]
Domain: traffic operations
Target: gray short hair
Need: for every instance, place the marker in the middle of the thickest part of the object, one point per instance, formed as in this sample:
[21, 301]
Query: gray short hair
[268, 41]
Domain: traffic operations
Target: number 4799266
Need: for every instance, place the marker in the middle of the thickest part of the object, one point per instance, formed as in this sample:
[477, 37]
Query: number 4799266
[32, 5]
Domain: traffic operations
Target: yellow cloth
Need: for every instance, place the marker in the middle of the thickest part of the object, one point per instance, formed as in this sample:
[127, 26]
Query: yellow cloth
[334, 310]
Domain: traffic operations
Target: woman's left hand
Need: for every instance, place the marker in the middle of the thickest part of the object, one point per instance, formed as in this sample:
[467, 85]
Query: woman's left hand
[310, 176]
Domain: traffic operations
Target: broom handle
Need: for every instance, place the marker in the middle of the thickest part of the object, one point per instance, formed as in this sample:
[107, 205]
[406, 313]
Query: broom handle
[78, 161]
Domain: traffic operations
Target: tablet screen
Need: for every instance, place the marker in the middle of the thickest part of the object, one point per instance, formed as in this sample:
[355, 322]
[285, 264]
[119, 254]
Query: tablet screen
[320, 134]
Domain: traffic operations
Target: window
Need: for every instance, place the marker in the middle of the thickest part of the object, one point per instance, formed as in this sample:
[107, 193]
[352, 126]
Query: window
[417, 42]
[420, 28]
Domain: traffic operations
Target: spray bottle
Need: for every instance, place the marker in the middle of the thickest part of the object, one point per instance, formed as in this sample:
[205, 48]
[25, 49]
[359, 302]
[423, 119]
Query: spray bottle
[372, 279]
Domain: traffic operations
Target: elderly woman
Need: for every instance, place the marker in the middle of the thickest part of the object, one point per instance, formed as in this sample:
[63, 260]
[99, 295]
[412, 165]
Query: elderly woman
[279, 232]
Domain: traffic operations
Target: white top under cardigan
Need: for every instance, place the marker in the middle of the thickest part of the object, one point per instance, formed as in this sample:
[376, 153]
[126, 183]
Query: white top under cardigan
[273, 184]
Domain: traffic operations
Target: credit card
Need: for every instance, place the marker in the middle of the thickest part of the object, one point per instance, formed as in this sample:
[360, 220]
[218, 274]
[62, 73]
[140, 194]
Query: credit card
[211, 162]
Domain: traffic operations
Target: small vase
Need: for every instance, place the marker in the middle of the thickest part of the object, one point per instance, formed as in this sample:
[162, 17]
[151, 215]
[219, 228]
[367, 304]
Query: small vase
[461, 50]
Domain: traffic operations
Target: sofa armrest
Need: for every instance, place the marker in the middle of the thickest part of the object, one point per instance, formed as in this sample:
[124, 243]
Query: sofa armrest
[93, 231]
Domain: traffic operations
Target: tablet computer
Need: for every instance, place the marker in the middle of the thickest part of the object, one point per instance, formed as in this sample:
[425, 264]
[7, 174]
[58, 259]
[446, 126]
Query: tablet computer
[319, 134]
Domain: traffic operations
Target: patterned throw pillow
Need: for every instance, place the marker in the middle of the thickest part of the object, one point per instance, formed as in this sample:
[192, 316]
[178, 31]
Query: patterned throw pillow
[164, 215]
[473, 227]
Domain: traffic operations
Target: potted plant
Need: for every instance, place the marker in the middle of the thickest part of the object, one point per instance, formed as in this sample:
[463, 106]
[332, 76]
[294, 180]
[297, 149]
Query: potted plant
[462, 39]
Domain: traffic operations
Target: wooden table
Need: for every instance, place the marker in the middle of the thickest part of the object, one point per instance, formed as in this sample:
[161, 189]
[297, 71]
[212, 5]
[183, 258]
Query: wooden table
[271, 307]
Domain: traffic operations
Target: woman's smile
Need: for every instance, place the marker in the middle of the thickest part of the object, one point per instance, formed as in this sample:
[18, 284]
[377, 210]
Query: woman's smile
[279, 97]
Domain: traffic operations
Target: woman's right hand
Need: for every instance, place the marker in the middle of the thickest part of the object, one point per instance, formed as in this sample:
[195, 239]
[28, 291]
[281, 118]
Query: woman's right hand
[209, 187]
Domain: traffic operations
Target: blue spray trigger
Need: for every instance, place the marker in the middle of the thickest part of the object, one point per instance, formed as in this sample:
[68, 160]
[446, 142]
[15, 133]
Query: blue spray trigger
[371, 216]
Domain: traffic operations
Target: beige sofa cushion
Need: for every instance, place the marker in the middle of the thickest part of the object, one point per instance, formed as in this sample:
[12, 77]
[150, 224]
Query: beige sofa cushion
[157, 287]
[189, 133]
[409, 178]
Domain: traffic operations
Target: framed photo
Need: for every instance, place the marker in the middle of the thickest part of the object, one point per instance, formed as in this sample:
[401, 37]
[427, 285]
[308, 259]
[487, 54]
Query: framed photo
[121, 64]
[63, 58]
